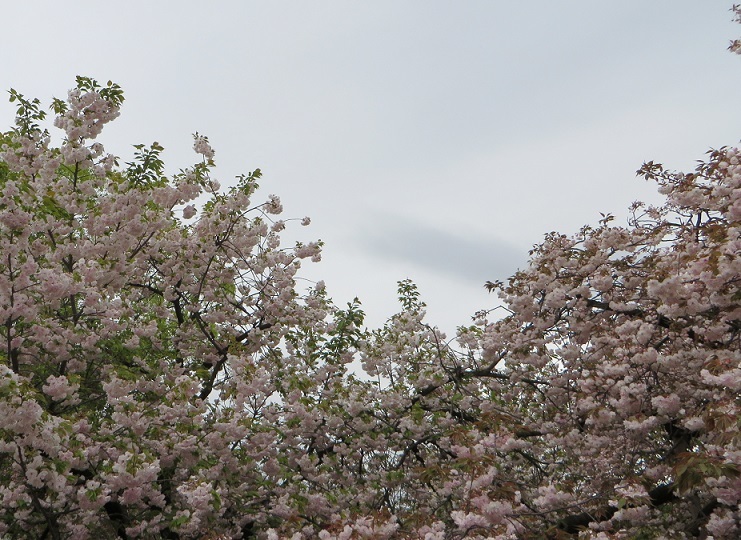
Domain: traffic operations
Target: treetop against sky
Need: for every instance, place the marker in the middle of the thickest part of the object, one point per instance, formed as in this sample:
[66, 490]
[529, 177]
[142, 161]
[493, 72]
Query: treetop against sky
[166, 373]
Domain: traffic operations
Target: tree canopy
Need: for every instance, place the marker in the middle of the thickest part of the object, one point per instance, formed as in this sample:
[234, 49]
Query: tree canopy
[162, 375]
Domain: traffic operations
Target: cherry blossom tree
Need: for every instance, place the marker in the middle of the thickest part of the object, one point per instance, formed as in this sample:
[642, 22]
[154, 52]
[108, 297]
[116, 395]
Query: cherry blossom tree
[605, 404]
[140, 345]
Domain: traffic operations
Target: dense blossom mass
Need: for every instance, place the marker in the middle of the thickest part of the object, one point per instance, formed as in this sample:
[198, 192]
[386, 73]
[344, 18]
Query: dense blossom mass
[161, 375]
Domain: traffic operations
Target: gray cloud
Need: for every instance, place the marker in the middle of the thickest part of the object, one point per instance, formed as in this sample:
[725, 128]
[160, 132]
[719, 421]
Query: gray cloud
[460, 254]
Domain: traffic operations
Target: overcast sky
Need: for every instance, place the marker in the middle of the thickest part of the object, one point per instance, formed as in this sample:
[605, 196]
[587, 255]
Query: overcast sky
[431, 140]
